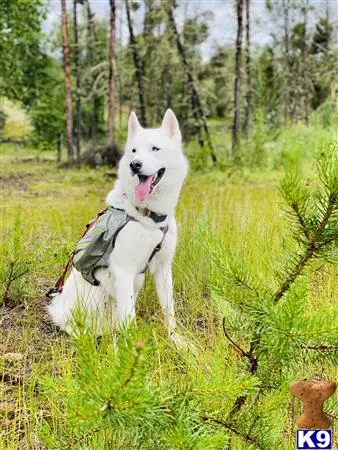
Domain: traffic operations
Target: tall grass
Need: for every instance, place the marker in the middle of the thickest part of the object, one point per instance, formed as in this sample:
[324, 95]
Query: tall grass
[44, 213]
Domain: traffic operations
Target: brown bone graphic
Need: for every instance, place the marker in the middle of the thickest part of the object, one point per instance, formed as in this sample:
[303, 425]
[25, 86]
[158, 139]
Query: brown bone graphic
[313, 395]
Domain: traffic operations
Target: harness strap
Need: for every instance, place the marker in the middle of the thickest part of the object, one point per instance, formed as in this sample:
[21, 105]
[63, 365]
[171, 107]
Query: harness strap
[157, 248]
[58, 288]
[92, 222]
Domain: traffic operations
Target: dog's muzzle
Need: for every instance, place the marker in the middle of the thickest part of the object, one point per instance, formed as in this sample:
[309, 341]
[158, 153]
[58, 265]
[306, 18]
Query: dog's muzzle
[135, 166]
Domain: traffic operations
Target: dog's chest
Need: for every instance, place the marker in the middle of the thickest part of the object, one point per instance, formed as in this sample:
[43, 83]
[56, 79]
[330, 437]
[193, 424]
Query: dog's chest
[134, 246]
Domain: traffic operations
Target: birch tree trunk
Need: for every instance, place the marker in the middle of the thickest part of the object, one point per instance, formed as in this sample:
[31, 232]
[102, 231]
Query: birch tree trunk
[237, 86]
[138, 67]
[68, 88]
[77, 79]
[112, 74]
[248, 109]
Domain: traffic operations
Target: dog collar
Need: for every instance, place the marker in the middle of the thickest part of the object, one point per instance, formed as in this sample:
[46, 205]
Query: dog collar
[156, 217]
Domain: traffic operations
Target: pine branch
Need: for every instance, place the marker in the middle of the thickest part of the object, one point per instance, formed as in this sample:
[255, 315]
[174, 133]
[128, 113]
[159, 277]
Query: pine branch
[312, 250]
[301, 220]
[317, 241]
[331, 415]
[239, 402]
[233, 343]
[320, 347]
[229, 427]
[295, 273]
[241, 282]
[329, 210]
[139, 346]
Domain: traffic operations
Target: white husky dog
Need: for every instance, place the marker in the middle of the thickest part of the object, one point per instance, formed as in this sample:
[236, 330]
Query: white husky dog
[150, 178]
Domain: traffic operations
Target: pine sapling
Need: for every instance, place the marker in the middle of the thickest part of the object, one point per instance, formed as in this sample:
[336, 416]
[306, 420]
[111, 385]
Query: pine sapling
[275, 317]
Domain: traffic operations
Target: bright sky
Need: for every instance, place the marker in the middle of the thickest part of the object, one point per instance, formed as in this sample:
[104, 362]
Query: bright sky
[222, 27]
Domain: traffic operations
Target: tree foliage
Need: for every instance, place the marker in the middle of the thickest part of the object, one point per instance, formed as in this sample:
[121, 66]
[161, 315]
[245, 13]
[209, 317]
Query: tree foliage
[21, 57]
[47, 113]
[164, 79]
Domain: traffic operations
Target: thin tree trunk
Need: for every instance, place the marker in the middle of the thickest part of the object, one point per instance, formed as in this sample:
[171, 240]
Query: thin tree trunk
[148, 24]
[112, 74]
[285, 6]
[334, 95]
[77, 79]
[333, 84]
[159, 92]
[120, 83]
[59, 148]
[185, 99]
[248, 109]
[306, 86]
[68, 88]
[97, 105]
[138, 67]
[196, 104]
[90, 55]
[237, 86]
[188, 73]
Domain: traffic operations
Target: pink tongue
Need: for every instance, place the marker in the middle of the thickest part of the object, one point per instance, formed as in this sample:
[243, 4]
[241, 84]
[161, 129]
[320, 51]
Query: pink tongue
[142, 190]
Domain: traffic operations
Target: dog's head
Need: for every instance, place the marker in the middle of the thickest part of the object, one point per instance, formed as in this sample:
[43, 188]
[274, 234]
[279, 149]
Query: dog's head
[153, 162]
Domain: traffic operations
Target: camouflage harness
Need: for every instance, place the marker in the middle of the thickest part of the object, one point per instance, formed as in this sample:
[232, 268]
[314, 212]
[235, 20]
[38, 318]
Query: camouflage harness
[93, 250]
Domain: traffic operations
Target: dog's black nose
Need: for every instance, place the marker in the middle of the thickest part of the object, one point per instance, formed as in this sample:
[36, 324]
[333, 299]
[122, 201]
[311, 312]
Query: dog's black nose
[135, 165]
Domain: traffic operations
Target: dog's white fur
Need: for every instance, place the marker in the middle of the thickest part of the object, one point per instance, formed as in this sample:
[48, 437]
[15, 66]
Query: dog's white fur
[113, 301]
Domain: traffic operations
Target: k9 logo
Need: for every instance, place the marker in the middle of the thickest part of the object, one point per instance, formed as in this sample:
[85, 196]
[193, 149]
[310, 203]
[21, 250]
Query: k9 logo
[314, 439]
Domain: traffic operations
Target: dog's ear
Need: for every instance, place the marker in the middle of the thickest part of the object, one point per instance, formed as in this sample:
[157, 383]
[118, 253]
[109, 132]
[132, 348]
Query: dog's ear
[133, 124]
[170, 125]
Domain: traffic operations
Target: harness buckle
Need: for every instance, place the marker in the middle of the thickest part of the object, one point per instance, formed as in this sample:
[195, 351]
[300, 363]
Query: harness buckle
[53, 292]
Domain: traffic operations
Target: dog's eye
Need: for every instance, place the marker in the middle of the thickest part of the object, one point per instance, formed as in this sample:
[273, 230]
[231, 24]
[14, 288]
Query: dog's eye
[134, 150]
[155, 149]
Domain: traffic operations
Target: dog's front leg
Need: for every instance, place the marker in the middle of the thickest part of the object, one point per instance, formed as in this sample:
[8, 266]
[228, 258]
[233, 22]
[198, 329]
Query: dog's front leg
[124, 297]
[164, 288]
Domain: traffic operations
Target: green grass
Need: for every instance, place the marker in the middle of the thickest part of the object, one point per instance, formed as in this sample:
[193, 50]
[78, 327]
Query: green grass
[43, 212]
